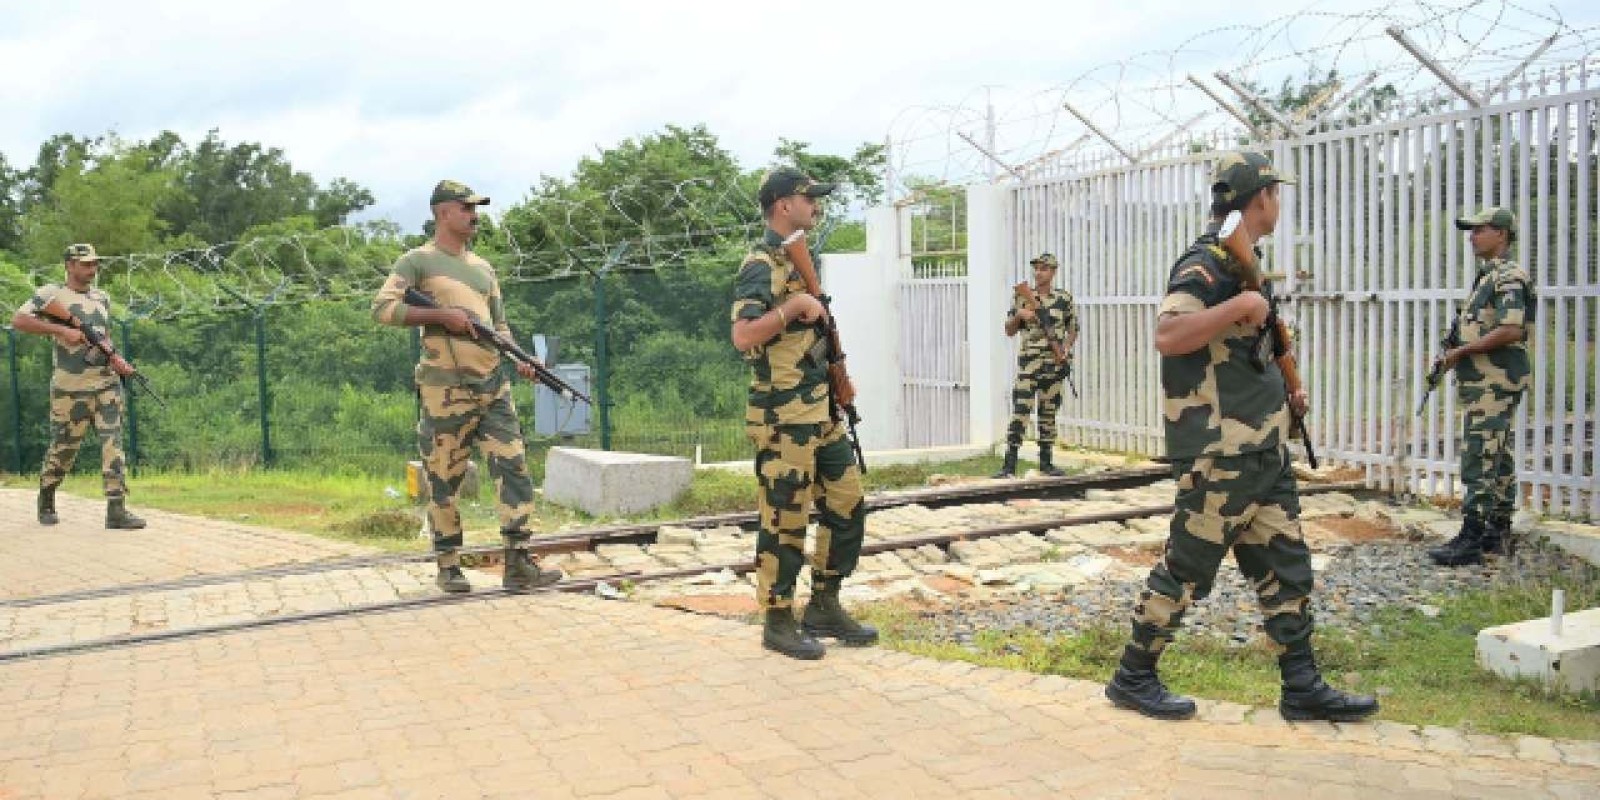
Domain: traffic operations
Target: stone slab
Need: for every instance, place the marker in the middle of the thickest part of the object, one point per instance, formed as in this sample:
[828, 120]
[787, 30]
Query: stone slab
[611, 483]
[1529, 649]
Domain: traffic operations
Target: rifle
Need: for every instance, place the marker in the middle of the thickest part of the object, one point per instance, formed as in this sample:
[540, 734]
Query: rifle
[56, 311]
[841, 392]
[1024, 292]
[510, 349]
[1235, 239]
[1436, 374]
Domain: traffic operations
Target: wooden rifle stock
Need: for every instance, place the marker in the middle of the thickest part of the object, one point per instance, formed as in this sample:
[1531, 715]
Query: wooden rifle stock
[840, 388]
[1236, 240]
[1030, 300]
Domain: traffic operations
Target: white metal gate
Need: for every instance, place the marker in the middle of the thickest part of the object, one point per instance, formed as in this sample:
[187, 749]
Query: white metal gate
[1372, 270]
[933, 359]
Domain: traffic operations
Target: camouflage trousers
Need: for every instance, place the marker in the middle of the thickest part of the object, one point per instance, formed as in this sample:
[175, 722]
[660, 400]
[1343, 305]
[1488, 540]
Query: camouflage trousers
[454, 418]
[1488, 453]
[1245, 503]
[1037, 376]
[71, 415]
[798, 465]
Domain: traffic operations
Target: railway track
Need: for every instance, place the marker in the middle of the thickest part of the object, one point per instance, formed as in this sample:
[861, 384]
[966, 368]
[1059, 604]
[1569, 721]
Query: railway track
[633, 533]
[588, 583]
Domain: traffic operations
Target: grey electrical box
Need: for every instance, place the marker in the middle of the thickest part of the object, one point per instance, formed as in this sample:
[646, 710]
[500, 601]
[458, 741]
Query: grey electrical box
[554, 415]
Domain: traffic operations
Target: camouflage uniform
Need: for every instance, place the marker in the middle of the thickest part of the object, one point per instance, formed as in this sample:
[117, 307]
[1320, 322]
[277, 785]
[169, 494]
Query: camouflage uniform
[466, 397]
[84, 392]
[1490, 385]
[802, 454]
[1227, 426]
[1038, 374]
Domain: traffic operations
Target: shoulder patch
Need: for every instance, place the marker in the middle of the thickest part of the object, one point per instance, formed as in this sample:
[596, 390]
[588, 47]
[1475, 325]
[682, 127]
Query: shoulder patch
[1196, 269]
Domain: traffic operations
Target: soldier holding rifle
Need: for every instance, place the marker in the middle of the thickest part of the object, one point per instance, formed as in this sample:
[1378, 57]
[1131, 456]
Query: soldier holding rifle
[1048, 322]
[799, 416]
[85, 386]
[1227, 412]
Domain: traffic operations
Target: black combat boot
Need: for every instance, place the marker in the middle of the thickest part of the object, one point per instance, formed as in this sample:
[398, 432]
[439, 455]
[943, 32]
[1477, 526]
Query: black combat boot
[782, 634]
[1497, 537]
[451, 578]
[1465, 548]
[824, 616]
[1047, 460]
[522, 574]
[1136, 686]
[47, 506]
[119, 518]
[1008, 468]
[1307, 697]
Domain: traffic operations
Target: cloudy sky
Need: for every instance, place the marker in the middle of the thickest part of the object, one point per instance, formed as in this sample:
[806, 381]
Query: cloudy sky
[397, 94]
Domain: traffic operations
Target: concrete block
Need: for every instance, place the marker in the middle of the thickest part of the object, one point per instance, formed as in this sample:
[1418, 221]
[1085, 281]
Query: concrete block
[605, 483]
[1569, 662]
[1578, 539]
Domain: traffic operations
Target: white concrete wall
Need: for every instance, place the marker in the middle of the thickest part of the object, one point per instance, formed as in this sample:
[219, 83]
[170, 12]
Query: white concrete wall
[989, 258]
[865, 292]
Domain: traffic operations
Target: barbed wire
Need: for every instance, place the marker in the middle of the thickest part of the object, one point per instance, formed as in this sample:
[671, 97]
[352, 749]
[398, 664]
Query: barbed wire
[541, 240]
[1149, 98]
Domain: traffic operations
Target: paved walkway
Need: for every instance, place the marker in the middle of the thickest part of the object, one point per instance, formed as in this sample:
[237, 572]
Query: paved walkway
[556, 696]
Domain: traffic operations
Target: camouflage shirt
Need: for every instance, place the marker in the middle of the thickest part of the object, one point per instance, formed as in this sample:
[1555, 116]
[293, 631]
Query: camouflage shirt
[82, 368]
[1503, 295]
[789, 372]
[466, 282]
[1216, 401]
[1056, 308]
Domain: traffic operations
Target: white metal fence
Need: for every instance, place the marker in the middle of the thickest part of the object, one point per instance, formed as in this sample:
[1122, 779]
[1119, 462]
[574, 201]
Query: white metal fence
[1373, 271]
[935, 389]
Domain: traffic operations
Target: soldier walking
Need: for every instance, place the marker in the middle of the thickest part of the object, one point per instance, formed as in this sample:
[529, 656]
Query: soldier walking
[1049, 317]
[802, 453]
[466, 396]
[85, 387]
[1489, 354]
[1226, 412]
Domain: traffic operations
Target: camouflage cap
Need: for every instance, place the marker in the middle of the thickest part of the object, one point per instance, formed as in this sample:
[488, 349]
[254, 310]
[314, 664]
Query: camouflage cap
[1501, 218]
[457, 191]
[80, 252]
[1047, 259]
[1241, 172]
[787, 181]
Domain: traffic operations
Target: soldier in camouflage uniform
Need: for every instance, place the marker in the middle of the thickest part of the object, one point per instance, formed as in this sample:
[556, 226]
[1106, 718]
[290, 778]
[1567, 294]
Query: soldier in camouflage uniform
[466, 396]
[802, 453]
[85, 388]
[1226, 413]
[1038, 374]
[1490, 358]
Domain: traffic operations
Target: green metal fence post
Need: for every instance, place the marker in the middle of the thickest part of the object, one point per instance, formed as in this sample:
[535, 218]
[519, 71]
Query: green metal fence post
[127, 399]
[16, 401]
[602, 384]
[265, 397]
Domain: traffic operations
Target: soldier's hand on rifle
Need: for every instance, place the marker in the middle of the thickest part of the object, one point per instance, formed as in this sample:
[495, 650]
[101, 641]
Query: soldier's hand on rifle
[1451, 357]
[121, 366]
[457, 321]
[71, 337]
[805, 308]
[1299, 402]
[1026, 314]
[527, 371]
[1253, 308]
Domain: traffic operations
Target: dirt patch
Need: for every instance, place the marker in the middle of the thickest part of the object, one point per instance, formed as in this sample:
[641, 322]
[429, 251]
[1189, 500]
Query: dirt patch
[940, 479]
[1350, 529]
[722, 605]
[944, 584]
[1145, 556]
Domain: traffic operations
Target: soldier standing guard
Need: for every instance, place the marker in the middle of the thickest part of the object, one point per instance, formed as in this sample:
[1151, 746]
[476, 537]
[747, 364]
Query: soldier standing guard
[1226, 412]
[1488, 351]
[802, 453]
[1050, 319]
[84, 387]
[466, 397]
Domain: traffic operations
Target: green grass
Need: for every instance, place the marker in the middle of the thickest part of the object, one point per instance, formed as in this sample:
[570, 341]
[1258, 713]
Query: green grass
[1422, 668]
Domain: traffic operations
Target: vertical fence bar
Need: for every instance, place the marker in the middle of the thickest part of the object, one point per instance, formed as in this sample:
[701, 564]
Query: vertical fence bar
[16, 400]
[263, 392]
[127, 399]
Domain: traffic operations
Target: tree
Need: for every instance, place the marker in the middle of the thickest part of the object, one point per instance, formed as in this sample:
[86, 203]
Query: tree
[106, 193]
[860, 175]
